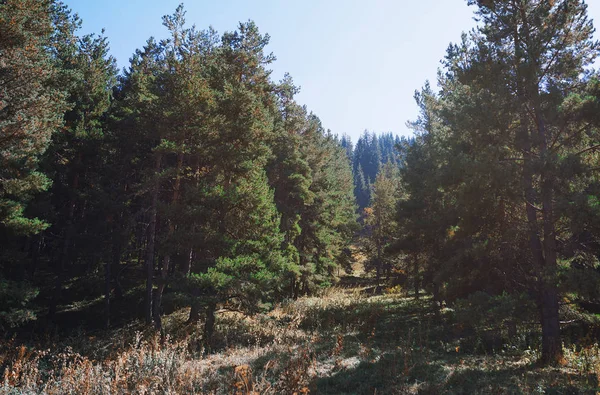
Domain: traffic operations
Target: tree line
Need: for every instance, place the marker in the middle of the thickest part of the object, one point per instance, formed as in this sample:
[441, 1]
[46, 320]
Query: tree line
[192, 178]
[370, 154]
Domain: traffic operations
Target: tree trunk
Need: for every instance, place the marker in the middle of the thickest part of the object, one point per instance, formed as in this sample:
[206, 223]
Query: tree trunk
[436, 299]
[551, 343]
[416, 277]
[186, 268]
[209, 325]
[159, 291]
[378, 262]
[544, 254]
[152, 241]
[107, 283]
[164, 273]
[195, 307]
[53, 307]
[114, 262]
[65, 258]
[194, 312]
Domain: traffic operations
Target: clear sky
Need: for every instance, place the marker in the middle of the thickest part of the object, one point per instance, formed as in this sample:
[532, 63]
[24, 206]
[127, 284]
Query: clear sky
[358, 63]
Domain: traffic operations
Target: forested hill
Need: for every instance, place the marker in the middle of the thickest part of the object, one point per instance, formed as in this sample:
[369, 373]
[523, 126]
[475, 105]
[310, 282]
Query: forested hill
[191, 197]
[371, 153]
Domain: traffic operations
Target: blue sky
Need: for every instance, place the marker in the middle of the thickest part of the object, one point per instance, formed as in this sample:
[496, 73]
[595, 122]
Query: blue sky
[358, 63]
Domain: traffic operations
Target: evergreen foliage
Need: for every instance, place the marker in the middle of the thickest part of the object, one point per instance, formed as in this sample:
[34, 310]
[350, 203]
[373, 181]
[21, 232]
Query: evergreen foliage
[371, 153]
[30, 108]
[192, 171]
[194, 180]
[501, 157]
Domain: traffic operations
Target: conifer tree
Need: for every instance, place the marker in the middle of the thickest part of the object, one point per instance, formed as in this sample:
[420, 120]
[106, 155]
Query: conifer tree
[74, 159]
[30, 107]
[491, 186]
[328, 223]
[381, 216]
[545, 47]
[291, 177]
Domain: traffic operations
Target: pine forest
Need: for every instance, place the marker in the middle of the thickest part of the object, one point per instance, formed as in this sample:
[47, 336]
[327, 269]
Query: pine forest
[185, 226]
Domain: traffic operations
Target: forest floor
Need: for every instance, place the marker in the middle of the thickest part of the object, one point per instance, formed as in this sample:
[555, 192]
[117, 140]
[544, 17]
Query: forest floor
[349, 340]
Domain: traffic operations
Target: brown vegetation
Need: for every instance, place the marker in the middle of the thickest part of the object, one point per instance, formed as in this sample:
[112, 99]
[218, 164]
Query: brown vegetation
[340, 342]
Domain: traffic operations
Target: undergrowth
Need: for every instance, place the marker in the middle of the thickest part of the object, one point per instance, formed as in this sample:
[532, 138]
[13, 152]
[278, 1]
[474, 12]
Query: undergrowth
[341, 342]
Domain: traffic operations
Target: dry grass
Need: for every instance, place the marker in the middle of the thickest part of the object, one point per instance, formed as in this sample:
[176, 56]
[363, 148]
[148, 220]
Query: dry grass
[341, 342]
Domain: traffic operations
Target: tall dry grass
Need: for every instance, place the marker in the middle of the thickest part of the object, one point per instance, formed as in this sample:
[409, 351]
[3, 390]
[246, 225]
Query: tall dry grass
[342, 341]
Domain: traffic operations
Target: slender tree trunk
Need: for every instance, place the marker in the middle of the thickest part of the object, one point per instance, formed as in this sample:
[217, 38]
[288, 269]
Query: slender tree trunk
[436, 299]
[65, 258]
[114, 261]
[164, 273]
[52, 309]
[376, 232]
[187, 263]
[209, 325]
[551, 343]
[416, 277]
[162, 283]
[107, 287]
[378, 263]
[151, 241]
[296, 282]
[195, 307]
[292, 287]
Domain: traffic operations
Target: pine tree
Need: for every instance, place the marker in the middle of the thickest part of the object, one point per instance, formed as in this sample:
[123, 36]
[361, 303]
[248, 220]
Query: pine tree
[328, 223]
[489, 186]
[30, 108]
[545, 46]
[30, 112]
[381, 215]
[291, 177]
[74, 159]
[346, 143]
[372, 151]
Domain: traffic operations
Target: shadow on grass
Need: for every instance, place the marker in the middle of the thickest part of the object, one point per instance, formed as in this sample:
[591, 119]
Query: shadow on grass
[399, 346]
[391, 375]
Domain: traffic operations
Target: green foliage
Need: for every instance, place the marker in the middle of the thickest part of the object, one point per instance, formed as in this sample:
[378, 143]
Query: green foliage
[30, 108]
[16, 307]
[380, 218]
[371, 153]
[503, 156]
[484, 311]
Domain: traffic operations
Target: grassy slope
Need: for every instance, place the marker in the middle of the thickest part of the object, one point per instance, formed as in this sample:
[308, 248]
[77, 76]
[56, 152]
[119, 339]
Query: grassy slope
[345, 341]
